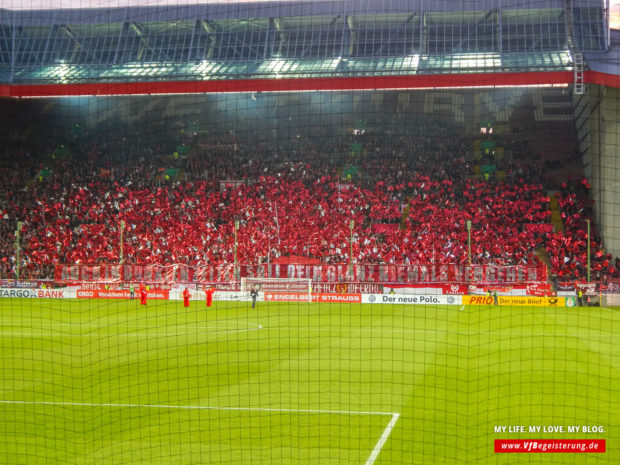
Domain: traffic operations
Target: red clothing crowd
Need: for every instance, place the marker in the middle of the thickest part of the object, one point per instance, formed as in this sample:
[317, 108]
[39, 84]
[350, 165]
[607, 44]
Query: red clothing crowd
[194, 223]
[409, 200]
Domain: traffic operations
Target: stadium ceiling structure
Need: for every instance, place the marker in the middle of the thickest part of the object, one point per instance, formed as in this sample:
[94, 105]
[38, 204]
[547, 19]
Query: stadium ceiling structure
[296, 40]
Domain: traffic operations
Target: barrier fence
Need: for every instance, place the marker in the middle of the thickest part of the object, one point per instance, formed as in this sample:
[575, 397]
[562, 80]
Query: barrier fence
[530, 294]
[319, 273]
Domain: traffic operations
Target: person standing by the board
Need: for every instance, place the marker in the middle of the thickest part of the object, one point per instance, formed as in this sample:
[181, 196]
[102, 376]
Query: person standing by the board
[254, 295]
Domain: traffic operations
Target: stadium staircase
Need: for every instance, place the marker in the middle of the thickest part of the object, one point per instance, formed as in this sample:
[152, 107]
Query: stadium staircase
[405, 215]
[543, 256]
[558, 226]
[556, 216]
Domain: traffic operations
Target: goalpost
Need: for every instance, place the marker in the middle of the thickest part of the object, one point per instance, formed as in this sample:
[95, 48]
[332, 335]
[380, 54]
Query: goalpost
[296, 285]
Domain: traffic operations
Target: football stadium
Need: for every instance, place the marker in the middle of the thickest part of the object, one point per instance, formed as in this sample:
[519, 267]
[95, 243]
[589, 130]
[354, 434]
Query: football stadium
[310, 232]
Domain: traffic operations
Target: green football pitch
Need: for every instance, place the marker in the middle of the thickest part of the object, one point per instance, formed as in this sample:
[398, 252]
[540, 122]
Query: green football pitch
[111, 382]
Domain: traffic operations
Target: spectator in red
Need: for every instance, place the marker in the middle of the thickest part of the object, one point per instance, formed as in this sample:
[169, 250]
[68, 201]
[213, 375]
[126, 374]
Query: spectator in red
[142, 294]
[186, 296]
[209, 292]
[411, 210]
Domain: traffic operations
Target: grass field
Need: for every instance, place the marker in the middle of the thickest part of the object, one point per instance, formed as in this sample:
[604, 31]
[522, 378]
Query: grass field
[110, 382]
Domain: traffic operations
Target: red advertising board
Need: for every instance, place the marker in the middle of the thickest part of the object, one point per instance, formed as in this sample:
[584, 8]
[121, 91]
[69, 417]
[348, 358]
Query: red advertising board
[562, 446]
[431, 288]
[303, 297]
[155, 294]
[348, 288]
[531, 289]
[289, 297]
[538, 289]
[341, 298]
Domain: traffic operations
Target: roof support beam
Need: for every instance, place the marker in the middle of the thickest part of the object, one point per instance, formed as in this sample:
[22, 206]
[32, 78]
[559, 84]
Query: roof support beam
[423, 34]
[120, 37]
[53, 30]
[212, 33]
[145, 45]
[77, 44]
[281, 34]
[14, 43]
[352, 35]
[8, 44]
[137, 29]
[459, 46]
[345, 47]
[394, 33]
[269, 39]
[195, 31]
[500, 37]
[317, 40]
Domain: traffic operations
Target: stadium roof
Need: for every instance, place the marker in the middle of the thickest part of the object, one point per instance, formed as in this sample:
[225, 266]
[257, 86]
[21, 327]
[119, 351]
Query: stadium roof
[294, 39]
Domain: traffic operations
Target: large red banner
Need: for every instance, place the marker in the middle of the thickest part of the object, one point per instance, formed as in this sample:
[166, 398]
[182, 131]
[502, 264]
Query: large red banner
[318, 273]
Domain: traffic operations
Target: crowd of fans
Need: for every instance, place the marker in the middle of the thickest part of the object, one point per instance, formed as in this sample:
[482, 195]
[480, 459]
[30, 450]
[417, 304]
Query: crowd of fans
[403, 193]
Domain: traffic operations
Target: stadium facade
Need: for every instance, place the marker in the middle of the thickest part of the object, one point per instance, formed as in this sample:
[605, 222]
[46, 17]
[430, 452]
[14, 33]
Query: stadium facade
[264, 40]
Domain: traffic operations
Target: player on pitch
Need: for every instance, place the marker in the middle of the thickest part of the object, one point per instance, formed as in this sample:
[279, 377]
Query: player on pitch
[142, 294]
[209, 293]
[186, 296]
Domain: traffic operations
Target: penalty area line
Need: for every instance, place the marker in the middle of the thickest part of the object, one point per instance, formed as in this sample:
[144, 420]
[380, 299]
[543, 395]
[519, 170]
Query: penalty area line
[370, 461]
[201, 331]
[382, 440]
[197, 407]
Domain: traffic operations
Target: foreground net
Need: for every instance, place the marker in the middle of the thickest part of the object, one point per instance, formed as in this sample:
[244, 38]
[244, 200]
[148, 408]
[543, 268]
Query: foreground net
[309, 233]
[113, 381]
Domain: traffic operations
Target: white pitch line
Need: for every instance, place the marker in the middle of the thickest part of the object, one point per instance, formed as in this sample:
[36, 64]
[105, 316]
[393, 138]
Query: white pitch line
[384, 437]
[103, 325]
[434, 331]
[21, 323]
[490, 333]
[255, 327]
[370, 461]
[102, 335]
[289, 328]
[208, 407]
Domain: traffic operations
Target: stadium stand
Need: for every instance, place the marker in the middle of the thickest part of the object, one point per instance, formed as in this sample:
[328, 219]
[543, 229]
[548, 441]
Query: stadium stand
[71, 212]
